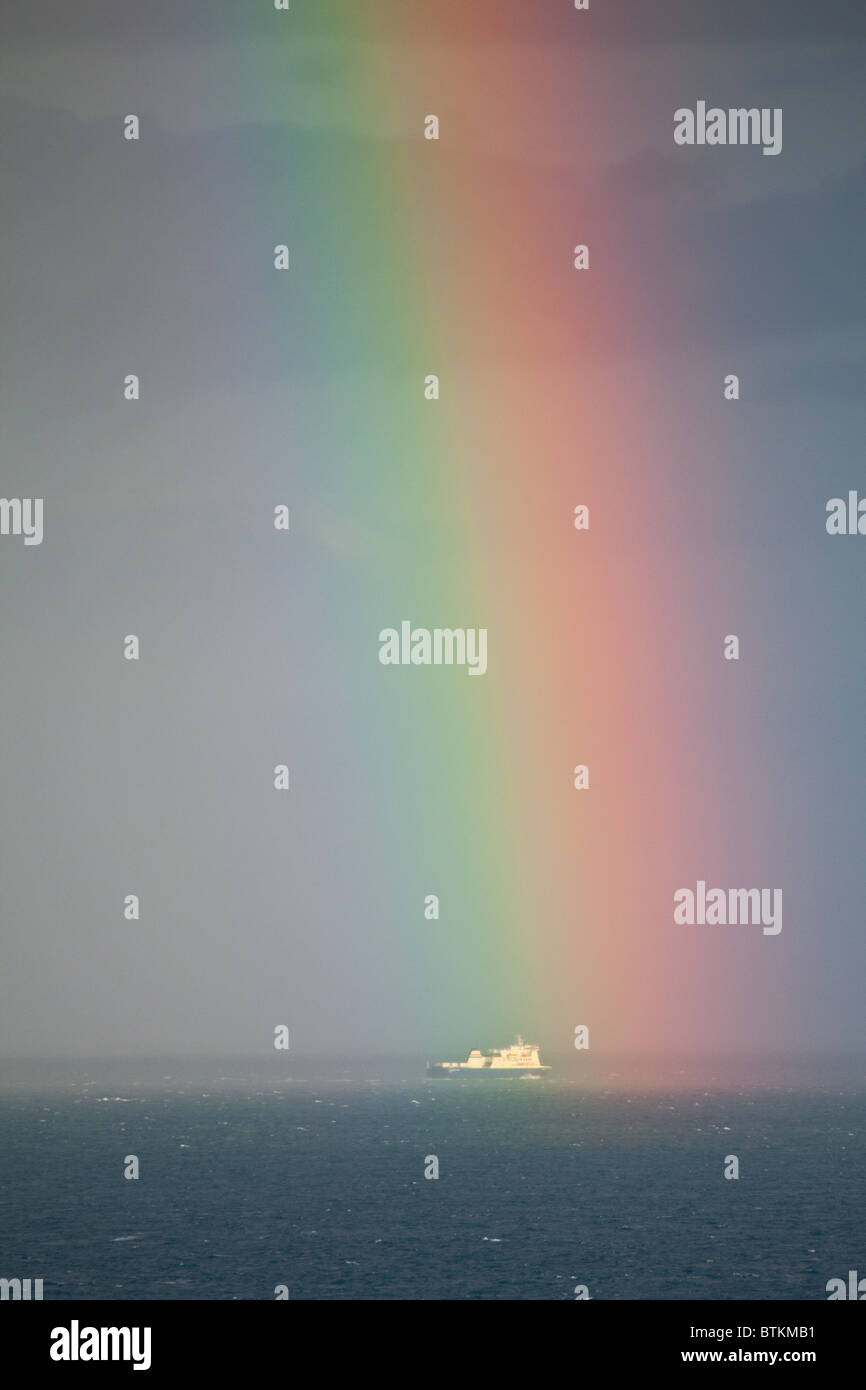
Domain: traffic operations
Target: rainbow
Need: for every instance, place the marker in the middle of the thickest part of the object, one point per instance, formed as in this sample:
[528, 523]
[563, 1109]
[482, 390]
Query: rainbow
[454, 257]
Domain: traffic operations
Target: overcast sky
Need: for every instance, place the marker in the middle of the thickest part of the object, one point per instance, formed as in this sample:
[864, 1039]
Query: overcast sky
[155, 778]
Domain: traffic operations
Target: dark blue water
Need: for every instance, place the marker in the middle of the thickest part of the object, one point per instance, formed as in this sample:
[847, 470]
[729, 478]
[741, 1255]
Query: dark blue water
[320, 1186]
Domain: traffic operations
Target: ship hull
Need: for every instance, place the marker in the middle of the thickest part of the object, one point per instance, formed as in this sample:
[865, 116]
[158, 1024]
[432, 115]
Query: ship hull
[440, 1069]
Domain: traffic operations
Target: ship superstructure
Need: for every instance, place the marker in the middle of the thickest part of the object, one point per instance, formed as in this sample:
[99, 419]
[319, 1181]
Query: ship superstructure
[520, 1059]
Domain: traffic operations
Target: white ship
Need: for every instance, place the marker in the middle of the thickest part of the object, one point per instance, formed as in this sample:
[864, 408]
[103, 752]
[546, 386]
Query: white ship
[520, 1059]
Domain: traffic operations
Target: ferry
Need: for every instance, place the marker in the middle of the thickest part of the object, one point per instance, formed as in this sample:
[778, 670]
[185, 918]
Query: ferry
[521, 1059]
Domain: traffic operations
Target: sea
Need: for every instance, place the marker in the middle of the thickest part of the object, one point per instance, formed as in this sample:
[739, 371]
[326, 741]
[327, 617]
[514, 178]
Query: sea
[347, 1180]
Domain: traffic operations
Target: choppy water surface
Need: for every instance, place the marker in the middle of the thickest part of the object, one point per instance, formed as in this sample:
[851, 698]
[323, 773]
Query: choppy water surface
[319, 1185]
